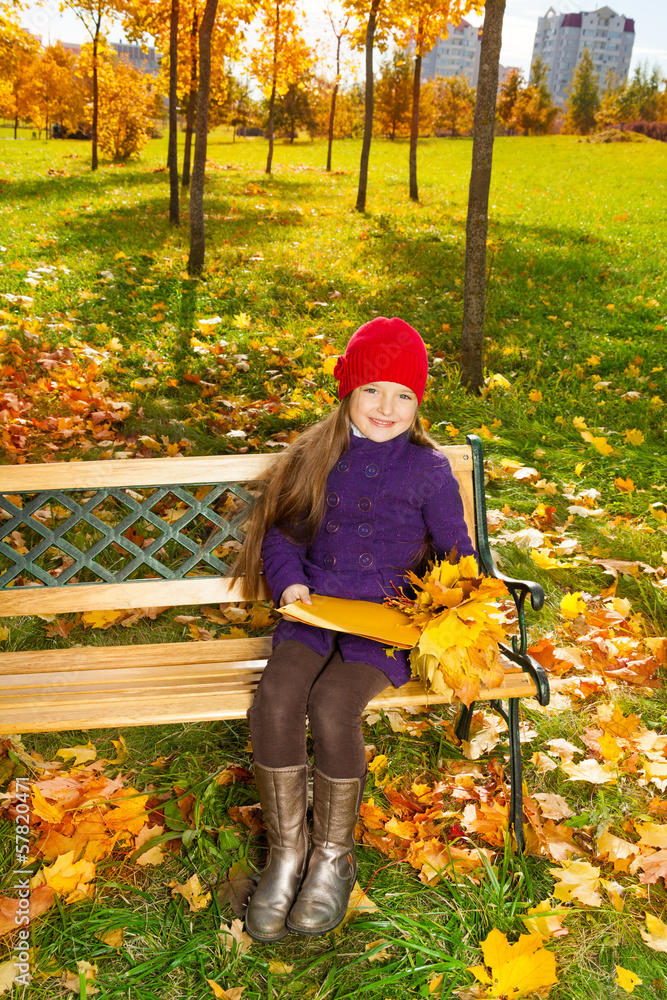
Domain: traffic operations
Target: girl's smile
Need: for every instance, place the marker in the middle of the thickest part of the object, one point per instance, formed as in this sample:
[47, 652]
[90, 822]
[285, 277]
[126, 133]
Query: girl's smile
[382, 410]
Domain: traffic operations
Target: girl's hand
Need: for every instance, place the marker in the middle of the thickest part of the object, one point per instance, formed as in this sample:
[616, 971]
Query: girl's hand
[297, 592]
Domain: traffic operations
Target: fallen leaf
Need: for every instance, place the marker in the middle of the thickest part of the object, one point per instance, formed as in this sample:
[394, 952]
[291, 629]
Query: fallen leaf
[192, 891]
[655, 934]
[553, 806]
[545, 921]
[72, 980]
[234, 938]
[578, 880]
[515, 969]
[78, 755]
[627, 980]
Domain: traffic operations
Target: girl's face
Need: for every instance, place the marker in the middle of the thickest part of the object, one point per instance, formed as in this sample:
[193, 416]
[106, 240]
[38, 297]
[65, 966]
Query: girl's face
[382, 410]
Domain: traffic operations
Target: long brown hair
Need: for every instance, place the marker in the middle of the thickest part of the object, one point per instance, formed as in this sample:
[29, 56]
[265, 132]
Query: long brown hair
[291, 493]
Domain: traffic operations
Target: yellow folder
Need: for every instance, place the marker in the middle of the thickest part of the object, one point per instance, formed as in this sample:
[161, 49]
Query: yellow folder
[364, 618]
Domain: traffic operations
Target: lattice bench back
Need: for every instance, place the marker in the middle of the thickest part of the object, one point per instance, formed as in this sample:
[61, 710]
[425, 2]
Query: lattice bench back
[85, 536]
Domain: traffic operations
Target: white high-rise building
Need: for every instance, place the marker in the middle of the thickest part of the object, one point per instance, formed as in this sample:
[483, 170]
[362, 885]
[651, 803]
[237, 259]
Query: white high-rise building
[458, 54]
[560, 41]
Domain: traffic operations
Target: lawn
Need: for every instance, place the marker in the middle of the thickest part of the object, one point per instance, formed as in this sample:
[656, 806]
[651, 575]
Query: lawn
[97, 313]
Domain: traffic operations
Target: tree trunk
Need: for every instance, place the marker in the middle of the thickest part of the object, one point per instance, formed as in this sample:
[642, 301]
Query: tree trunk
[197, 236]
[368, 109]
[414, 126]
[174, 211]
[474, 299]
[274, 81]
[332, 115]
[334, 95]
[96, 99]
[192, 102]
[16, 127]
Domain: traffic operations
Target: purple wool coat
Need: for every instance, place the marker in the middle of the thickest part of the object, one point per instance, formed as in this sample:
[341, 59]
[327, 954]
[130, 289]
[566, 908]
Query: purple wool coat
[382, 499]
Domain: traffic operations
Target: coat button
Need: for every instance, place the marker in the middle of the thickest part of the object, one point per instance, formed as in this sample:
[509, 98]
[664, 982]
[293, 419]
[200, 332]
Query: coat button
[343, 465]
[364, 504]
[364, 530]
[365, 559]
[333, 500]
[371, 471]
[332, 526]
[329, 560]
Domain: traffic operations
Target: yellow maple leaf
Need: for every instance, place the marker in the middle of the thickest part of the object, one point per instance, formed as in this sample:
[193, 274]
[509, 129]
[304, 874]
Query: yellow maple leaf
[579, 468]
[128, 816]
[655, 934]
[634, 436]
[652, 834]
[624, 485]
[378, 768]
[601, 444]
[46, 810]
[4, 633]
[627, 980]
[578, 880]
[83, 754]
[579, 423]
[100, 619]
[541, 558]
[70, 878]
[535, 396]
[572, 605]
[545, 921]
[329, 365]
[192, 891]
[591, 770]
[452, 430]
[515, 969]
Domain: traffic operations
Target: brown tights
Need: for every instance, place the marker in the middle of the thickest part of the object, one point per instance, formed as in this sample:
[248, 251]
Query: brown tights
[298, 682]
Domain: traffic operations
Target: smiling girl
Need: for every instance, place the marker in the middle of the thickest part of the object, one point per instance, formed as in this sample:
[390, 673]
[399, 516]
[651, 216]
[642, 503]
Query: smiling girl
[355, 502]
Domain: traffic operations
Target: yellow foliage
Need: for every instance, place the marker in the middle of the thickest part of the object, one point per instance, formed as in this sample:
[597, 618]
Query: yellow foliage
[627, 980]
[461, 628]
[634, 436]
[572, 605]
[516, 970]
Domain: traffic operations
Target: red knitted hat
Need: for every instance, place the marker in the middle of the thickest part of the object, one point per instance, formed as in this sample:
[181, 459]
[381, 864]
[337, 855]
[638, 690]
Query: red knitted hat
[384, 350]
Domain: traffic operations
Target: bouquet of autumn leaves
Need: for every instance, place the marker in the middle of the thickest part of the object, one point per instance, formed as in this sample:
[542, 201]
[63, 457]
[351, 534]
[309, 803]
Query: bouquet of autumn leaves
[461, 625]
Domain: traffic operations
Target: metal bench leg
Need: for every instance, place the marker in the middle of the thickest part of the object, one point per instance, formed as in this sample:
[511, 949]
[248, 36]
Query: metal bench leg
[462, 728]
[516, 776]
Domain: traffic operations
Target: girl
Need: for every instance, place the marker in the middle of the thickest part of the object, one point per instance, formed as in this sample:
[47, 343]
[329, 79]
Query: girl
[352, 504]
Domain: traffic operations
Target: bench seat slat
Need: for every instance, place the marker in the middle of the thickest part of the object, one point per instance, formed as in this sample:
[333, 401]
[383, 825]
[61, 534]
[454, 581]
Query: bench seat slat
[123, 596]
[160, 654]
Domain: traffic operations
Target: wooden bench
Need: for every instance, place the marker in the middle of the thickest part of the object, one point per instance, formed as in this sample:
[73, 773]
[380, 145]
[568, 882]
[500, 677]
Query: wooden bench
[122, 534]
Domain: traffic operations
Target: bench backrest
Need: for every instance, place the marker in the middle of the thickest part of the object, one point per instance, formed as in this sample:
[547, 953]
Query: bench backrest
[85, 536]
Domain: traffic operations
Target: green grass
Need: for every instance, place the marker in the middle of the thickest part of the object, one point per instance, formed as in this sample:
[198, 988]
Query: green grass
[576, 228]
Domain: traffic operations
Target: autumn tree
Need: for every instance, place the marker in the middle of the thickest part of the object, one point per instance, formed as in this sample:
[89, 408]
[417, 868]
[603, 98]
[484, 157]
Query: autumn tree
[19, 62]
[477, 224]
[293, 109]
[59, 96]
[235, 13]
[374, 22]
[92, 13]
[583, 97]
[453, 105]
[526, 107]
[280, 56]
[422, 23]
[339, 28]
[393, 96]
[127, 106]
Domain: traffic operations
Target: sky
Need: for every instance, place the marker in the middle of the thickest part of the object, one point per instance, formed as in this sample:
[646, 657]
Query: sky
[518, 31]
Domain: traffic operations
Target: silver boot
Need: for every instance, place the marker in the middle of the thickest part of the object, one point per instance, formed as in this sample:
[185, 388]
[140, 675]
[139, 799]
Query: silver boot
[332, 867]
[283, 795]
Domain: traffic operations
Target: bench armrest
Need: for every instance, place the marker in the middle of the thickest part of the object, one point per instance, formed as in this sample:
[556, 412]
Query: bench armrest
[519, 589]
[532, 667]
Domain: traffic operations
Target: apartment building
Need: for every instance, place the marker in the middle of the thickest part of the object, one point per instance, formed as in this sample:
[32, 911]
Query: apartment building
[560, 41]
[458, 54]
